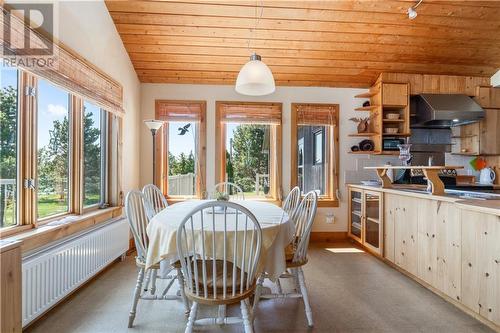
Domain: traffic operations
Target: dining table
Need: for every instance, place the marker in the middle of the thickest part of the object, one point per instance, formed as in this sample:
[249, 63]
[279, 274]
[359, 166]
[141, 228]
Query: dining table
[277, 232]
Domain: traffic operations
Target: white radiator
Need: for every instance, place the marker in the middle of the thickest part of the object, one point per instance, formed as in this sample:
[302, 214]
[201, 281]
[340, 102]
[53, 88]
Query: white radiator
[53, 273]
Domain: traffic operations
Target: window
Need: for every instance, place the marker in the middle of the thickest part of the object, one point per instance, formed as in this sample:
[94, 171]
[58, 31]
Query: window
[181, 157]
[58, 145]
[8, 146]
[249, 147]
[53, 146]
[314, 158]
[94, 155]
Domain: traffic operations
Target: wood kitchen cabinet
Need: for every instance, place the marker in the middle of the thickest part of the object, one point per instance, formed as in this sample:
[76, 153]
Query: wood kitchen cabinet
[481, 263]
[395, 94]
[390, 206]
[439, 246]
[365, 219]
[10, 284]
[488, 97]
[405, 234]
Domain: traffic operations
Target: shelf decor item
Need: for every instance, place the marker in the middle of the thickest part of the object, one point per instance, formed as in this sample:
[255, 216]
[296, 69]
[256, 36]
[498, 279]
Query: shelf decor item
[392, 116]
[367, 103]
[391, 130]
[355, 148]
[367, 145]
[363, 123]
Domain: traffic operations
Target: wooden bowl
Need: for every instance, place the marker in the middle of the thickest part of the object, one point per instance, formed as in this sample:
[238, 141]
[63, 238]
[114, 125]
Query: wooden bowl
[391, 130]
[392, 116]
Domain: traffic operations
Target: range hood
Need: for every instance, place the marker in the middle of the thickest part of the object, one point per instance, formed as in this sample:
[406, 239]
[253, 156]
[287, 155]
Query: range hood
[444, 110]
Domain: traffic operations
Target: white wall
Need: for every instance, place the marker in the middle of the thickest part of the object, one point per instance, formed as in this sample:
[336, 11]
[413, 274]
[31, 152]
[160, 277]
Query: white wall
[87, 28]
[350, 165]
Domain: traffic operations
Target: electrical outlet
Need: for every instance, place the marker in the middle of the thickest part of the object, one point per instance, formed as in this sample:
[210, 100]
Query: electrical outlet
[330, 219]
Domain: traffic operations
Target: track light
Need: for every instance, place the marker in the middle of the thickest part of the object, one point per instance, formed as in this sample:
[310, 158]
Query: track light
[412, 13]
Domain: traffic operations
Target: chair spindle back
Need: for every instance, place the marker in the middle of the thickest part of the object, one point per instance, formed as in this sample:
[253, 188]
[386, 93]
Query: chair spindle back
[155, 200]
[292, 201]
[229, 188]
[303, 218]
[138, 220]
[211, 276]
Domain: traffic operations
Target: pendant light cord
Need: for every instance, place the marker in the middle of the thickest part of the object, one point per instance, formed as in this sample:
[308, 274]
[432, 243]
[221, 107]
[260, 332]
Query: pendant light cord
[257, 21]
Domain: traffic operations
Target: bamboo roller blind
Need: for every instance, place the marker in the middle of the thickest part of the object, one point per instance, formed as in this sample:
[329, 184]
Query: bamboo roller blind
[179, 111]
[70, 71]
[255, 113]
[317, 114]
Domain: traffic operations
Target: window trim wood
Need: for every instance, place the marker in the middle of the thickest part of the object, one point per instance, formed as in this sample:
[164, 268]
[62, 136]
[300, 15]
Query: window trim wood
[276, 142]
[161, 153]
[330, 200]
[28, 165]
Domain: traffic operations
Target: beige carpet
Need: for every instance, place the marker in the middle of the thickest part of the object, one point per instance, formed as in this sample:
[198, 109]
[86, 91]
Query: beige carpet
[349, 291]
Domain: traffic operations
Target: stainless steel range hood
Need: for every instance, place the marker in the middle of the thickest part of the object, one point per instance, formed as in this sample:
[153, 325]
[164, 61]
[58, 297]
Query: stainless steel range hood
[445, 110]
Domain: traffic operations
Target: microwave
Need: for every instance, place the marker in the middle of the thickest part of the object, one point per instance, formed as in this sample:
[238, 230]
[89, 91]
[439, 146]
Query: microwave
[392, 143]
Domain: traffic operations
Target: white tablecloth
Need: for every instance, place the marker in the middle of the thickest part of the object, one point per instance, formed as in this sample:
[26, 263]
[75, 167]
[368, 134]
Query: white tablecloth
[277, 233]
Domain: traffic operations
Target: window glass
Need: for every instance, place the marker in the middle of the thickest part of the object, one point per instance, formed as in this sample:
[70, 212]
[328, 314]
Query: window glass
[53, 149]
[8, 146]
[182, 159]
[247, 158]
[92, 154]
[311, 168]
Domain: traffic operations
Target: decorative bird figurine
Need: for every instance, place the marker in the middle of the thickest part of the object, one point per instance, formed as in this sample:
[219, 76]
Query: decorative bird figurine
[184, 130]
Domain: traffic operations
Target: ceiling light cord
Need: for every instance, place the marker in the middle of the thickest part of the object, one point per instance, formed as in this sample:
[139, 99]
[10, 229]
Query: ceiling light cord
[257, 21]
[418, 4]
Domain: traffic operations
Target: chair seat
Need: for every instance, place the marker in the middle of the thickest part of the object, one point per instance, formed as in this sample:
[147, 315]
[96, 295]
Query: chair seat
[290, 254]
[141, 263]
[219, 281]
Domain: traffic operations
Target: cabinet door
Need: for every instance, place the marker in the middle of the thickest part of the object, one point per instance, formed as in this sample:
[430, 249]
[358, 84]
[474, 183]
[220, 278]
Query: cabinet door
[489, 140]
[481, 263]
[395, 94]
[355, 214]
[405, 235]
[488, 97]
[427, 244]
[390, 206]
[448, 246]
[373, 227]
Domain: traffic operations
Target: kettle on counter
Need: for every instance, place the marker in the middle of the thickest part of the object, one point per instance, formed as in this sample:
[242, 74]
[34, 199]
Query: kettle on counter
[487, 176]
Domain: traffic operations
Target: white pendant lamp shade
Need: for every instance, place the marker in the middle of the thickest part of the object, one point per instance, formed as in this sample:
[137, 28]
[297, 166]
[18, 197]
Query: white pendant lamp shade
[255, 78]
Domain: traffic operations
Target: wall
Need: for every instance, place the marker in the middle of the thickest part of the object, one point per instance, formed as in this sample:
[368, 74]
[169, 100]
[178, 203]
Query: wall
[351, 166]
[87, 28]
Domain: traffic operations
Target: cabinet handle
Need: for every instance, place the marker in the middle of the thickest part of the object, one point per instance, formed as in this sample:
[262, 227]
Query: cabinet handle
[487, 274]
[470, 265]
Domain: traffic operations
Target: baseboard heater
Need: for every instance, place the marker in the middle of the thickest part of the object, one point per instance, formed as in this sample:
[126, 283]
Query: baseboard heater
[52, 273]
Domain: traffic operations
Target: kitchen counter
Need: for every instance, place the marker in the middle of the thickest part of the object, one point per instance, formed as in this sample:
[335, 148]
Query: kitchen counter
[418, 191]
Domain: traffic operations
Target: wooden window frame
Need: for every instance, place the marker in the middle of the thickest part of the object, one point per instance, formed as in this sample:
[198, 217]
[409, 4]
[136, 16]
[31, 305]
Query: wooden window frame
[330, 199]
[27, 165]
[161, 153]
[275, 159]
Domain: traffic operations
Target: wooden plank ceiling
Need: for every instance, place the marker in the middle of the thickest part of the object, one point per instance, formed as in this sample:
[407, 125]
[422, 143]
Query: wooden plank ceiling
[307, 43]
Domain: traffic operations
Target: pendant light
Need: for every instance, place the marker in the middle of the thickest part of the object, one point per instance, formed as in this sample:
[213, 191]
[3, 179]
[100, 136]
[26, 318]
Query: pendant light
[255, 78]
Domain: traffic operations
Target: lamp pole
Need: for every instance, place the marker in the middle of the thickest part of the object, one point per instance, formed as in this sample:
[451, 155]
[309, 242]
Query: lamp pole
[154, 126]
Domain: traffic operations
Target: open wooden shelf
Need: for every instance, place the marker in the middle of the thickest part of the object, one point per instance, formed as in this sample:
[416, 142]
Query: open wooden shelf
[360, 152]
[393, 107]
[367, 108]
[363, 134]
[397, 134]
[367, 95]
[393, 120]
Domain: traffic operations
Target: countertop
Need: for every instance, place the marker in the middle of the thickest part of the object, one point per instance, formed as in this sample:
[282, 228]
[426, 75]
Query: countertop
[485, 206]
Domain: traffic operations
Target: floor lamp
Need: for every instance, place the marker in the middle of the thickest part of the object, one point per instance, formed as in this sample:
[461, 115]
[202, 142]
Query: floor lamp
[154, 126]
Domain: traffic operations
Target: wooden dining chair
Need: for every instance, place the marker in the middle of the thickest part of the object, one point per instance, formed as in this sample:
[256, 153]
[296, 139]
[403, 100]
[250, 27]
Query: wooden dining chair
[155, 200]
[138, 222]
[296, 255]
[292, 201]
[233, 190]
[215, 278]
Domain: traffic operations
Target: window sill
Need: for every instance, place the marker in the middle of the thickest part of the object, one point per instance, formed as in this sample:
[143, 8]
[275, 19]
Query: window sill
[45, 234]
[323, 203]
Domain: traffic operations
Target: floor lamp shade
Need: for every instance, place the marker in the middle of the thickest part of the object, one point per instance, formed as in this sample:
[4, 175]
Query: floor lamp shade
[154, 125]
